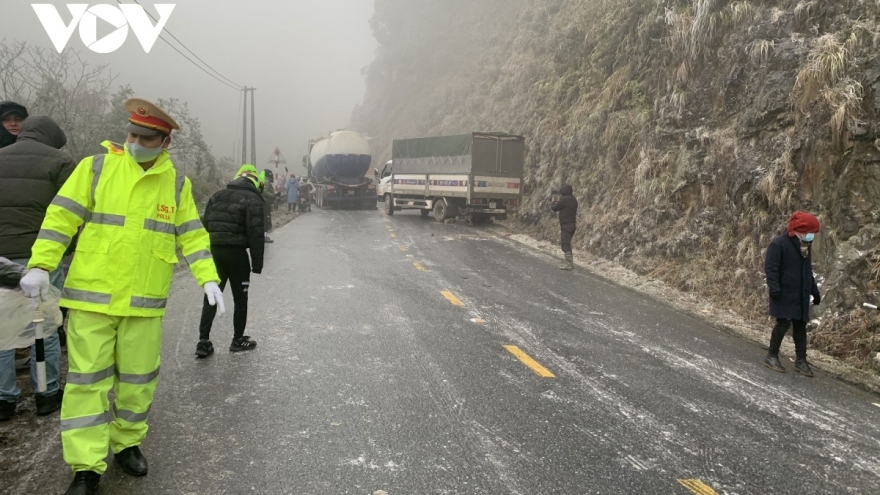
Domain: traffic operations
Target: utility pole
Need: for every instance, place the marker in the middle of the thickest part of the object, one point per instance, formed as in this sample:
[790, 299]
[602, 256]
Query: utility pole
[244, 129]
[253, 131]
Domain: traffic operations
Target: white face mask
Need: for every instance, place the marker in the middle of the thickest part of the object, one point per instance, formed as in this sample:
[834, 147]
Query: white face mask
[142, 154]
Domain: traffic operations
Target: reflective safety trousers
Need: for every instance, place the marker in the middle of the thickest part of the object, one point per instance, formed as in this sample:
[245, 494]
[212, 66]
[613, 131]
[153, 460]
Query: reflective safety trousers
[131, 221]
[107, 352]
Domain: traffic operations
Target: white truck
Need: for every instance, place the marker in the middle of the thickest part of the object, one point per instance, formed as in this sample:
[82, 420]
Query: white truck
[476, 176]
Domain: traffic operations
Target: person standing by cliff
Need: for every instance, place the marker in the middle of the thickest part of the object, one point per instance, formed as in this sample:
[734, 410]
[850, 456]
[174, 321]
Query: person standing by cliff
[790, 283]
[32, 172]
[566, 207]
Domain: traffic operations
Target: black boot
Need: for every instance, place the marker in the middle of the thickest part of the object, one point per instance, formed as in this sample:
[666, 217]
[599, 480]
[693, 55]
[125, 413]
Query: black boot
[84, 483]
[132, 461]
[7, 410]
[50, 404]
[772, 362]
[801, 366]
[243, 344]
[568, 264]
[204, 348]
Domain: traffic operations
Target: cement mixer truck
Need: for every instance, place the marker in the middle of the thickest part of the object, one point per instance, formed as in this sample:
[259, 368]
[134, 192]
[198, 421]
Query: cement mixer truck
[337, 166]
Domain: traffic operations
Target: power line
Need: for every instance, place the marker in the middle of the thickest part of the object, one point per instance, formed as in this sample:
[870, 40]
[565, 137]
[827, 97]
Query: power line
[187, 49]
[192, 62]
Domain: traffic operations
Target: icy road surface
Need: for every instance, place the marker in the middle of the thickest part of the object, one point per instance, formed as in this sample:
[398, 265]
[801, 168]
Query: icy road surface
[401, 356]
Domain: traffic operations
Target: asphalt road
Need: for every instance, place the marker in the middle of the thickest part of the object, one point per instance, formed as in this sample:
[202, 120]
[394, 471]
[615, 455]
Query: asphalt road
[385, 364]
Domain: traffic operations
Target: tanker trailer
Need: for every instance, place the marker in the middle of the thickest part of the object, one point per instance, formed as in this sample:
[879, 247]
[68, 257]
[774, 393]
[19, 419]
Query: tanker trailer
[337, 166]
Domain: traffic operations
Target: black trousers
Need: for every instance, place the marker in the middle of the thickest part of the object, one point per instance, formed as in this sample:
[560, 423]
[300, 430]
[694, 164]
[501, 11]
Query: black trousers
[566, 233]
[234, 266]
[799, 335]
[291, 207]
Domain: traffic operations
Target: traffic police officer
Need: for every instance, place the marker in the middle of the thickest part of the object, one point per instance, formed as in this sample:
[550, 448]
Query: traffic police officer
[135, 207]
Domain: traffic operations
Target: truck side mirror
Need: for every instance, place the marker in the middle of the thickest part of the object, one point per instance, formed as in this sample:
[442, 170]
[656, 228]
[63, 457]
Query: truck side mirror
[376, 173]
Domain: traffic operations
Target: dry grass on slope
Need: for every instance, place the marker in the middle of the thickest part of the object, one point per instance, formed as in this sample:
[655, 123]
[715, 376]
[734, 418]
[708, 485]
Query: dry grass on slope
[690, 129]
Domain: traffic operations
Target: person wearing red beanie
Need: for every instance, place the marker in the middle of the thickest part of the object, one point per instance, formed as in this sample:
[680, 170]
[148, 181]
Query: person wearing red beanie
[790, 283]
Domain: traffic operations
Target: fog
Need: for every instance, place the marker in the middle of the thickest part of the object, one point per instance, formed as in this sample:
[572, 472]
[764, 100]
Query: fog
[303, 56]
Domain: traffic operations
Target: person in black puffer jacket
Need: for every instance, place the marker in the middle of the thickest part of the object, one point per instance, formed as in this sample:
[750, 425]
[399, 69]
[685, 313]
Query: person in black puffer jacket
[234, 219]
[567, 207]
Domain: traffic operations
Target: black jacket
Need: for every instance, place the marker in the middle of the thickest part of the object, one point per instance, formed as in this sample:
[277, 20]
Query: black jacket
[31, 172]
[567, 207]
[234, 218]
[791, 276]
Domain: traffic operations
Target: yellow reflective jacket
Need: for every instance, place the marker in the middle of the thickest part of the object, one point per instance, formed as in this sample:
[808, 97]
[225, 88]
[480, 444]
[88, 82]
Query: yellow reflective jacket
[125, 255]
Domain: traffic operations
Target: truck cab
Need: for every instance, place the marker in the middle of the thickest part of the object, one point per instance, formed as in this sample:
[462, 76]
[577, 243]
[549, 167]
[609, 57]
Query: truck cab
[383, 180]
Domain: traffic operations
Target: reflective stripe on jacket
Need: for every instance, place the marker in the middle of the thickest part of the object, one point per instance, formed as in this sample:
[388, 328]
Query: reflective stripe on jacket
[125, 257]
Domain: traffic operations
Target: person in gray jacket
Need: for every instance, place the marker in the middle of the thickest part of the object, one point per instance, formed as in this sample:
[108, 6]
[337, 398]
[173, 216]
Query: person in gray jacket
[32, 170]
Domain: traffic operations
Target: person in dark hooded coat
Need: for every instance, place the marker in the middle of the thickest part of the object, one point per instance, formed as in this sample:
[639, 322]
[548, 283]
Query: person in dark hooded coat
[11, 115]
[32, 172]
[567, 208]
[790, 284]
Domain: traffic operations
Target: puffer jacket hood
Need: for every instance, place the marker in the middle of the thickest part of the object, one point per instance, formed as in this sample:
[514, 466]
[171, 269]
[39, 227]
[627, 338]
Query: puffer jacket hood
[566, 190]
[44, 130]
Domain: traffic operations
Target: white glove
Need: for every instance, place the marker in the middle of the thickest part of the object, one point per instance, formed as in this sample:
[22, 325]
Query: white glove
[35, 282]
[212, 290]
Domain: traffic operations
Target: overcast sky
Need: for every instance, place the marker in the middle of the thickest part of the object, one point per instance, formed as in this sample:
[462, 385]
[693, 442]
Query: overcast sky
[303, 56]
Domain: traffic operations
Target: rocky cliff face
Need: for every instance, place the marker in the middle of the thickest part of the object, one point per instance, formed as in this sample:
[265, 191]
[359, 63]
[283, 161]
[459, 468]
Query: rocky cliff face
[690, 129]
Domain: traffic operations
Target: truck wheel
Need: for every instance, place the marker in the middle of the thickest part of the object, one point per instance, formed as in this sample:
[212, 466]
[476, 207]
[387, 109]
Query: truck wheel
[424, 212]
[389, 204]
[440, 210]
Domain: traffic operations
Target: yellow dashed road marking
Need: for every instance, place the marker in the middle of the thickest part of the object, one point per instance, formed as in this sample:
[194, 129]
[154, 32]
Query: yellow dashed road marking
[528, 361]
[403, 248]
[698, 487]
[419, 266]
[394, 236]
[478, 321]
[451, 298]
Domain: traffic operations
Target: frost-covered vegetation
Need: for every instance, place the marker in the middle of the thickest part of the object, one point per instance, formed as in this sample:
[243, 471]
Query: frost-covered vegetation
[690, 129]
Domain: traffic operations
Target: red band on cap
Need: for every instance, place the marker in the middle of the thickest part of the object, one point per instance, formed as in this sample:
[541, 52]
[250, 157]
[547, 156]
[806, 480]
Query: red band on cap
[154, 123]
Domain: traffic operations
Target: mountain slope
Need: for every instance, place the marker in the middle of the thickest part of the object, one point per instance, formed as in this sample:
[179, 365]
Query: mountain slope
[690, 129]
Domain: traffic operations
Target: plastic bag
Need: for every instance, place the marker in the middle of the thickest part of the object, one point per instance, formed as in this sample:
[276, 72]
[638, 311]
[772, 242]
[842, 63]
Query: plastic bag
[17, 313]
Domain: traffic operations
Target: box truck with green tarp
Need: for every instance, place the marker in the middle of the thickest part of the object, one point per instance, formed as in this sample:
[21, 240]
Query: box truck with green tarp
[477, 176]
